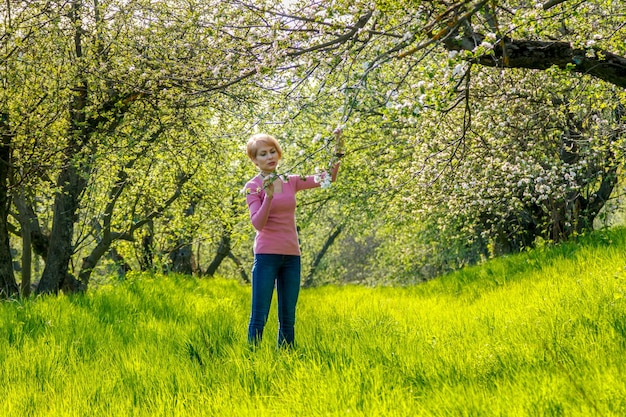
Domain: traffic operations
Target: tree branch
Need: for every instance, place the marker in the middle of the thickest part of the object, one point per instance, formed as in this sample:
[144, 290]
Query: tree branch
[108, 237]
[334, 43]
[360, 24]
[542, 55]
[182, 179]
[551, 3]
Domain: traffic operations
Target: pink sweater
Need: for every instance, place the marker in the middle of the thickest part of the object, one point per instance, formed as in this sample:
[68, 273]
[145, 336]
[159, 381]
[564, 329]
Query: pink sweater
[275, 220]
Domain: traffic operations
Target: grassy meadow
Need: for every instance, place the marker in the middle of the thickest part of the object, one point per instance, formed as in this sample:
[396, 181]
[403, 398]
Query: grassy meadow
[542, 333]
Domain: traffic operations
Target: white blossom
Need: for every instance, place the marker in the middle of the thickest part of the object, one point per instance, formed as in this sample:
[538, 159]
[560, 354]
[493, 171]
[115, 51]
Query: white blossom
[458, 69]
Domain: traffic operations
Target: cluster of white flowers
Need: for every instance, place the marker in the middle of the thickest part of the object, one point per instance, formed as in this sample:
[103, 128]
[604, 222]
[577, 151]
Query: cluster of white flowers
[322, 178]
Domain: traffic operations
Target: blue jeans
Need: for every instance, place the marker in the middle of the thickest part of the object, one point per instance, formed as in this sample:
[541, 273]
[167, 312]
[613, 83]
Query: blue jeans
[283, 272]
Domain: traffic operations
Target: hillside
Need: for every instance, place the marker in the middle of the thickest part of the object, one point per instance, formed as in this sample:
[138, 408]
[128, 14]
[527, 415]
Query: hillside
[542, 333]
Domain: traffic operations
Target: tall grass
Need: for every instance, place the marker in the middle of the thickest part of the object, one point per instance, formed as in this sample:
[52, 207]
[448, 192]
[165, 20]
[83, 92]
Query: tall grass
[538, 334]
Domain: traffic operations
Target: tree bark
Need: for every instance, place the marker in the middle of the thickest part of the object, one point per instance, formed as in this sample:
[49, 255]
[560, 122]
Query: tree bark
[146, 260]
[122, 266]
[106, 236]
[90, 261]
[8, 285]
[39, 241]
[182, 258]
[27, 259]
[74, 175]
[71, 182]
[224, 249]
[222, 252]
[56, 272]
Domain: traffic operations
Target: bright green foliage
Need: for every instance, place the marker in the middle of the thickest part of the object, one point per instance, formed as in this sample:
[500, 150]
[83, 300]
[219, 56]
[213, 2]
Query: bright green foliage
[540, 333]
[449, 160]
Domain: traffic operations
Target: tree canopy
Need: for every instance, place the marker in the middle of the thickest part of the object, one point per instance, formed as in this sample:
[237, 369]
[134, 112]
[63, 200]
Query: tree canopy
[473, 128]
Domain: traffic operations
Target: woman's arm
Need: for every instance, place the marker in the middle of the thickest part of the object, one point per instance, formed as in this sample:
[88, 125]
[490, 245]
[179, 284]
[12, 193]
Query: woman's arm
[259, 203]
[339, 152]
[335, 170]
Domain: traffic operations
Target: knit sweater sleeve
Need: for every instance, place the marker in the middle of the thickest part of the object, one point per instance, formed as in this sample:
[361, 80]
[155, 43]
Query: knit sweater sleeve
[258, 205]
[304, 183]
[307, 182]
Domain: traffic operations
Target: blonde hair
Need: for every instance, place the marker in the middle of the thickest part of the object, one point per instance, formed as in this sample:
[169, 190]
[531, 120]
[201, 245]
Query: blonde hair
[261, 138]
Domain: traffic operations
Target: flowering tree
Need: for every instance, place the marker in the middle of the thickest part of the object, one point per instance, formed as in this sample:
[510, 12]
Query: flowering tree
[550, 143]
[107, 93]
[497, 121]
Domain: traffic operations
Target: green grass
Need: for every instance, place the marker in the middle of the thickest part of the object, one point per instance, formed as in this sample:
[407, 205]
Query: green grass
[538, 334]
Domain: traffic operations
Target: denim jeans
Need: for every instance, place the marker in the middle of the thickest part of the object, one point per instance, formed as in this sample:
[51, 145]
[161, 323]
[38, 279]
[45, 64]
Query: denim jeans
[282, 272]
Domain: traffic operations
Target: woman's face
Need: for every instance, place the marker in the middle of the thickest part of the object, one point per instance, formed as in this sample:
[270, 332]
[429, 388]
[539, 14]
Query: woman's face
[266, 158]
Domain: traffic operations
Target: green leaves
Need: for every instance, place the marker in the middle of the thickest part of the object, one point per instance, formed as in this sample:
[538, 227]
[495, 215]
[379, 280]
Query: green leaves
[438, 145]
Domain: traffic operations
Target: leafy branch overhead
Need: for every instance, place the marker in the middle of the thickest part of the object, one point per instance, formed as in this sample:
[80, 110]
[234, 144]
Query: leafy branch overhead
[509, 35]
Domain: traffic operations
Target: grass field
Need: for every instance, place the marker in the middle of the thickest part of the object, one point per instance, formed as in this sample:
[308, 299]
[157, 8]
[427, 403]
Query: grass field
[538, 334]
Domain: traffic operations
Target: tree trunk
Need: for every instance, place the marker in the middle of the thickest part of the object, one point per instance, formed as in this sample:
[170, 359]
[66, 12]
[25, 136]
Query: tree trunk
[71, 181]
[8, 285]
[39, 241]
[540, 55]
[222, 252]
[105, 236]
[33, 239]
[182, 260]
[56, 274]
[27, 251]
[224, 248]
[122, 266]
[90, 261]
[146, 258]
[320, 255]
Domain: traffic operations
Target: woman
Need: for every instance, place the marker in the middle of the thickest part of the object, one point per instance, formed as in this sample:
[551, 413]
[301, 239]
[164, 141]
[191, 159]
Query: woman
[272, 204]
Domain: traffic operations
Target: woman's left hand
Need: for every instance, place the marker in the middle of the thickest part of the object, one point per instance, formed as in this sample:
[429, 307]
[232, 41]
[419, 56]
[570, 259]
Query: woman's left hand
[338, 132]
